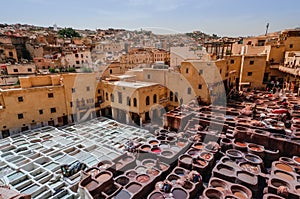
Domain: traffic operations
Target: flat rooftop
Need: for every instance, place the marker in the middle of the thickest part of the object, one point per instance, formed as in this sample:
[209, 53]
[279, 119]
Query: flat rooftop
[136, 84]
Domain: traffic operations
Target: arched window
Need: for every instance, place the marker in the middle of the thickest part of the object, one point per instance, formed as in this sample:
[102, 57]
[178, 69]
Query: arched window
[134, 102]
[147, 100]
[189, 90]
[154, 98]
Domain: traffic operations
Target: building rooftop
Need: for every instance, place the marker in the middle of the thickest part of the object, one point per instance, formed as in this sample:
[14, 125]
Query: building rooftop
[136, 84]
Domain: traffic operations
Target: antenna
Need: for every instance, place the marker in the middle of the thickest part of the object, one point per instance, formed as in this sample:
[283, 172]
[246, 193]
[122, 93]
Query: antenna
[267, 27]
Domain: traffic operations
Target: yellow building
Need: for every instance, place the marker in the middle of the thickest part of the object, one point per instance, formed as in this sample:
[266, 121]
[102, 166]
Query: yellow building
[48, 100]
[133, 101]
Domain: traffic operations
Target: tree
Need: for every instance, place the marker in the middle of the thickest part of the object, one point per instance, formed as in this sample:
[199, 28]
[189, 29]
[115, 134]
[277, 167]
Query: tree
[68, 33]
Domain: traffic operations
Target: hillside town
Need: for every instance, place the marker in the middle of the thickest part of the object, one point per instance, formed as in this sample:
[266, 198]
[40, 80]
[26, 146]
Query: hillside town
[123, 114]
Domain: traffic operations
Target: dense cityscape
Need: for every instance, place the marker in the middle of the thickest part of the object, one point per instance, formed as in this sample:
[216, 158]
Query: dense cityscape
[115, 113]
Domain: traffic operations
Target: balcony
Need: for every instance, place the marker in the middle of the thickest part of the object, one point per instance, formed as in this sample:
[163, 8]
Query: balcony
[292, 71]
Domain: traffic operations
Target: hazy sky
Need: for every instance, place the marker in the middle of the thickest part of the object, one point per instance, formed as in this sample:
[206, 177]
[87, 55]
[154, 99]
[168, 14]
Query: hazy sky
[223, 17]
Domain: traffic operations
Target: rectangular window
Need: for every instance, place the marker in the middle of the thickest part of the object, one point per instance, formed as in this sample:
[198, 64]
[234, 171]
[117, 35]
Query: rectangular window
[120, 97]
[291, 45]
[41, 111]
[29, 69]
[148, 76]
[76, 55]
[249, 73]
[71, 104]
[77, 62]
[200, 86]
[232, 61]
[200, 72]
[50, 95]
[20, 116]
[11, 54]
[73, 90]
[53, 110]
[251, 62]
[87, 88]
[186, 70]
[99, 91]
[221, 71]
[20, 99]
[189, 90]
[16, 70]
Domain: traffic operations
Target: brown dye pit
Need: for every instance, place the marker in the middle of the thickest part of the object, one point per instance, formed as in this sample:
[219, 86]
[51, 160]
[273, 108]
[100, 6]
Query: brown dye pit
[103, 177]
[153, 142]
[199, 146]
[242, 144]
[91, 185]
[180, 144]
[284, 176]
[143, 178]
[297, 160]
[284, 167]
[255, 148]
[146, 148]
[152, 172]
[240, 194]
[298, 190]
[220, 188]
[133, 188]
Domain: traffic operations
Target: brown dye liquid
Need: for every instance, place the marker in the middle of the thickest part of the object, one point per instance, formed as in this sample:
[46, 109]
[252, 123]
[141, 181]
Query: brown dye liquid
[297, 160]
[284, 176]
[240, 194]
[154, 143]
[220, 188]
[103, 177]
[284, 167]
[180, 144]
[143, 178]
[92, 185]
[198, 146]
[146, 148]
[256, 148]
[134, 188]
[242, 144]
[152, 172]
